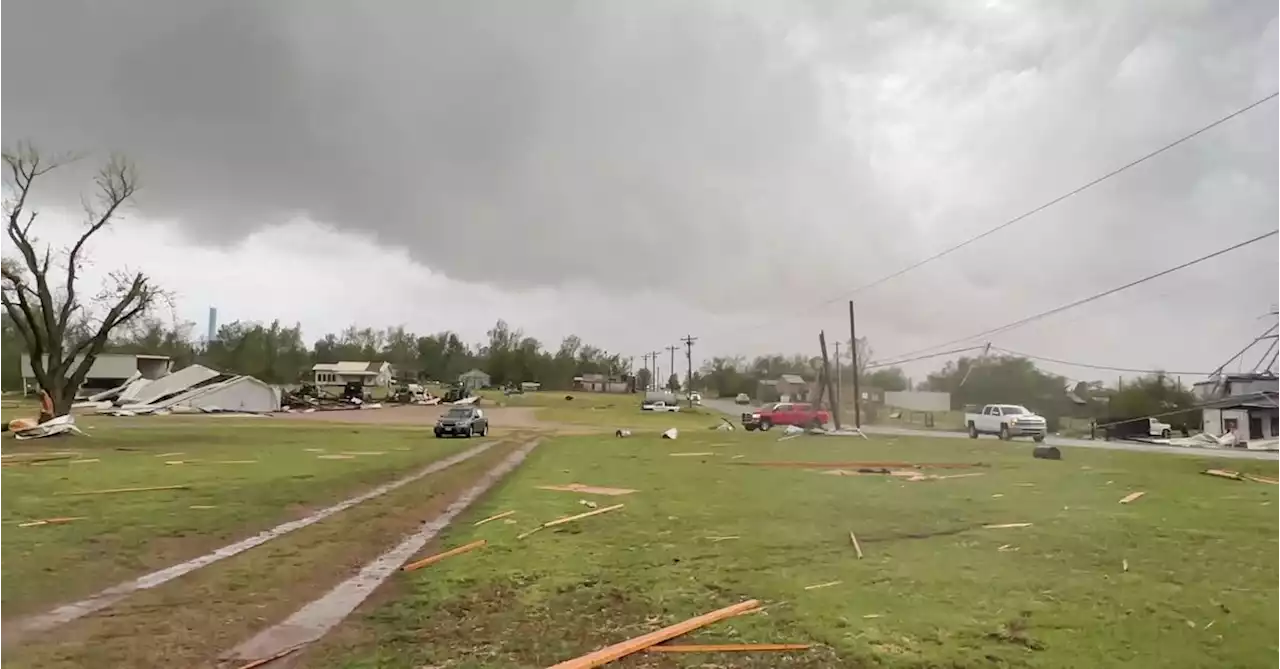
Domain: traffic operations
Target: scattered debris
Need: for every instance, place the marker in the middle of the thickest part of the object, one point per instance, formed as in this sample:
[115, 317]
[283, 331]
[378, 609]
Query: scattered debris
[622, 433]
[822, 585]
[998, 495]
[175, 462]
[726, 647]
[587, 489]
[494, 517]
[309, 450]
[83, 462]
[202, 507]
[440, 556]
[51, 521]
[170, 455]
[740, 455]
[335, 457]
[587, 503]
[235, 462]
[1124, 565]
[1131, 497]
[700, 453]
[50, 428]
[1224, 473]
[857, 548]
[871, 615]
[625, 648]
[115, 490]
[867, 465]
[671, 434]
[1031, 485]
[723, 538]
[364, 453]
[1046, 453]
[1005, 526]
[1007, 548]
[1261, 479]
[567, 519]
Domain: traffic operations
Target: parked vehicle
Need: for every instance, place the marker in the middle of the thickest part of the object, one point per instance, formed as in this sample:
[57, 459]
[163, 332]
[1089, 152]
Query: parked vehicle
[462, 421]
[785, 413]
[1007, 421]
[660, 406]
[1136, 427]
[695, 399]
[742, 398]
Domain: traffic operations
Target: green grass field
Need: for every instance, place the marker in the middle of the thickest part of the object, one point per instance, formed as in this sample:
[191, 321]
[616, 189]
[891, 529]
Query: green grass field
[244, 476]
[934, 588]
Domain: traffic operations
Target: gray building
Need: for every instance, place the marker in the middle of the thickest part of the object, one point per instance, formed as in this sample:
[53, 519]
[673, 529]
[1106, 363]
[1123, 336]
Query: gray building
[474, 379]
[109, 370]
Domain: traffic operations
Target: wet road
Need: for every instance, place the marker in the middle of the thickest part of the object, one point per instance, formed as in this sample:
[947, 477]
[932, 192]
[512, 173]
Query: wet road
[728, 407]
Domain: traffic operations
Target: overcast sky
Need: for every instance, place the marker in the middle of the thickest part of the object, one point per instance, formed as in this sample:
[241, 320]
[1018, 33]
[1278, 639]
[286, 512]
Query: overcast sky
[635, 171]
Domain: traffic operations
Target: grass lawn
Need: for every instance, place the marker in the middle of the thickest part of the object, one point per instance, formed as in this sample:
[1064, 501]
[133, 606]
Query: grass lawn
[934, 589]
[607, 410]
[244, 476]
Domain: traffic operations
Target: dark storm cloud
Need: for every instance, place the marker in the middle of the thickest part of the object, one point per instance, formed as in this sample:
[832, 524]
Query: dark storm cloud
[724, 151]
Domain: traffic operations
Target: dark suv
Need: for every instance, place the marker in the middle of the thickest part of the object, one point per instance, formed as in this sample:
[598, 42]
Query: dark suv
[462, 422]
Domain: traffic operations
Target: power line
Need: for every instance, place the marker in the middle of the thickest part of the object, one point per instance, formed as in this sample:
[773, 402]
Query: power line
[1098, 367]
[1098, 296]
[1244, 350]
[1079, 189]
[895, 362]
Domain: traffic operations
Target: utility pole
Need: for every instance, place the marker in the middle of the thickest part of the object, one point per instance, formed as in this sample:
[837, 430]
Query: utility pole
[826, 379]
[672, 350]
[853, 351]
[837, 398]
[645, 366]
[688, 359]
[655, 371]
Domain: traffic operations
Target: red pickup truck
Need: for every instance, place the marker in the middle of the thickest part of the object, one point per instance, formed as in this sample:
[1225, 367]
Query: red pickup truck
[785, 413]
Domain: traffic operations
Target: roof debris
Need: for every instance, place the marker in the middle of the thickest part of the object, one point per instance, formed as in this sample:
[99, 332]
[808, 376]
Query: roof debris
[440, 556]
[1131, 497]
[568, 519]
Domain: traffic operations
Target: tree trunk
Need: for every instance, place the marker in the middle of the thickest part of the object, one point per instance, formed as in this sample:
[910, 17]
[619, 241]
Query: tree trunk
[63, 398]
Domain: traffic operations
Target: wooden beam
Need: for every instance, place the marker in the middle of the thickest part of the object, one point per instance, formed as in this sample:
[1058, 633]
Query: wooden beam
[625, 648]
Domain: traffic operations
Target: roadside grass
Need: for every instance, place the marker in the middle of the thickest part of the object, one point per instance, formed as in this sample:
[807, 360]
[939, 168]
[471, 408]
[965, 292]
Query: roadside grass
[190, 622]
[244, 476]
[934, 589]
[609, 410]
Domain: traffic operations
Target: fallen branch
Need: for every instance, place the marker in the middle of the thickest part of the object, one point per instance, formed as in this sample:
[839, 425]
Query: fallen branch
[115, 490]
[726, 647]
[567, 519]
[625, 648]
[440, 556]
[492, 518]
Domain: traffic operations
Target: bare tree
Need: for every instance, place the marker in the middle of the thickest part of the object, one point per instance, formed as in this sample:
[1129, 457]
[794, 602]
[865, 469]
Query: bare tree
[63, 330]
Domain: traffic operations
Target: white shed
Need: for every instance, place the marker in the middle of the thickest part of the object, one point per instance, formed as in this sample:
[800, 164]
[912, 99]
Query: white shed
[242, 393]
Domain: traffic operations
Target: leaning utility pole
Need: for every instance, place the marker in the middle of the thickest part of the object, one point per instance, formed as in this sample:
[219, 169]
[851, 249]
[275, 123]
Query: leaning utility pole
[672, 350]
[826, 379]
[688, 358]
[838, 379]
[853, 351]
[655, 372]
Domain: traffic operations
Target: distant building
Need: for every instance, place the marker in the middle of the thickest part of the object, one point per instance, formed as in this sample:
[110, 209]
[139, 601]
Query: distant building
[474, 379]
[600, 383]
[339, 374]
[109, 370]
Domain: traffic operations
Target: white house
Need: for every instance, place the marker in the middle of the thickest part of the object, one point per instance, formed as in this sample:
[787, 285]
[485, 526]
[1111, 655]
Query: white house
[1245, 404]
[109, 370]
[339, 374]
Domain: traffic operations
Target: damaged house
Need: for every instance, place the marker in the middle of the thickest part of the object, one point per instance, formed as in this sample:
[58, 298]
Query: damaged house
[335, 376]
[1243, 404]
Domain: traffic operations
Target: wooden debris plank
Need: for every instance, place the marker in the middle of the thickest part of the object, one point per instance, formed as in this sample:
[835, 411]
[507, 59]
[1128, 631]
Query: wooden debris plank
[115, 490]
[726, 647]
[819, 586]
[637, 644]
[1261, 479]
[494, 517]
[1005, 526]
[440, 556]
[1224, 473]
[1131, 497]
[866, 465]
[858, 549]
[700, 453]
[268, 660]
[567, 519]
[588, 489]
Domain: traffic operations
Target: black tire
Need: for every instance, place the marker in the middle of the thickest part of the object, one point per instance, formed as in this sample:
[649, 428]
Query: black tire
[1166, 434]
[973, 431]
[484, 431]
[1004, 433]
[1039, 438]
[765, 425]
[749, 428]
[470, 432]
[438, 435]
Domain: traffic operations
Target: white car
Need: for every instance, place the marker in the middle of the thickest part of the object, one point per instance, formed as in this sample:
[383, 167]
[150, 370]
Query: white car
[742, 398]
[1158, 429]
[660, 406]
[695, 399]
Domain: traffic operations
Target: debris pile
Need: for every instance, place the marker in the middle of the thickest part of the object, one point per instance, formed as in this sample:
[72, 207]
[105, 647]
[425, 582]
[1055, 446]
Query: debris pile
[193, 389]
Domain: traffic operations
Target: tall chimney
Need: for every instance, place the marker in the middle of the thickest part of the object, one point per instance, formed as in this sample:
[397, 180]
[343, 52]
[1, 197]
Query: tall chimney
[213, 324]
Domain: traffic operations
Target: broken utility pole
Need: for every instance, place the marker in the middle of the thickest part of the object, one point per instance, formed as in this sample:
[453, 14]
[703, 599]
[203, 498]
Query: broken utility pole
[826, 379]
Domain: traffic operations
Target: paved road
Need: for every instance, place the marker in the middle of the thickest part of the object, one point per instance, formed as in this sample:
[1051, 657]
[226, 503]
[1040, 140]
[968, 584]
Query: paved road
[728, 407]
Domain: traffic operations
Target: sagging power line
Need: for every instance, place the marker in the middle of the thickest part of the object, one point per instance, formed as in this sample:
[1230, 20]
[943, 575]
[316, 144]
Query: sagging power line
[1097, 296]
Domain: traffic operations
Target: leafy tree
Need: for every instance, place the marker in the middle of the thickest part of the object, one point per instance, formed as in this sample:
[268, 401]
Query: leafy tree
[643, 378]
[891, 379]
[673, 383]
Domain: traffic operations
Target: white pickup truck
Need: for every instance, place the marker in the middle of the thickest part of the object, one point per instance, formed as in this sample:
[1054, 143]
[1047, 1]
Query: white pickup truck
[660, 406]
[1006, 420]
